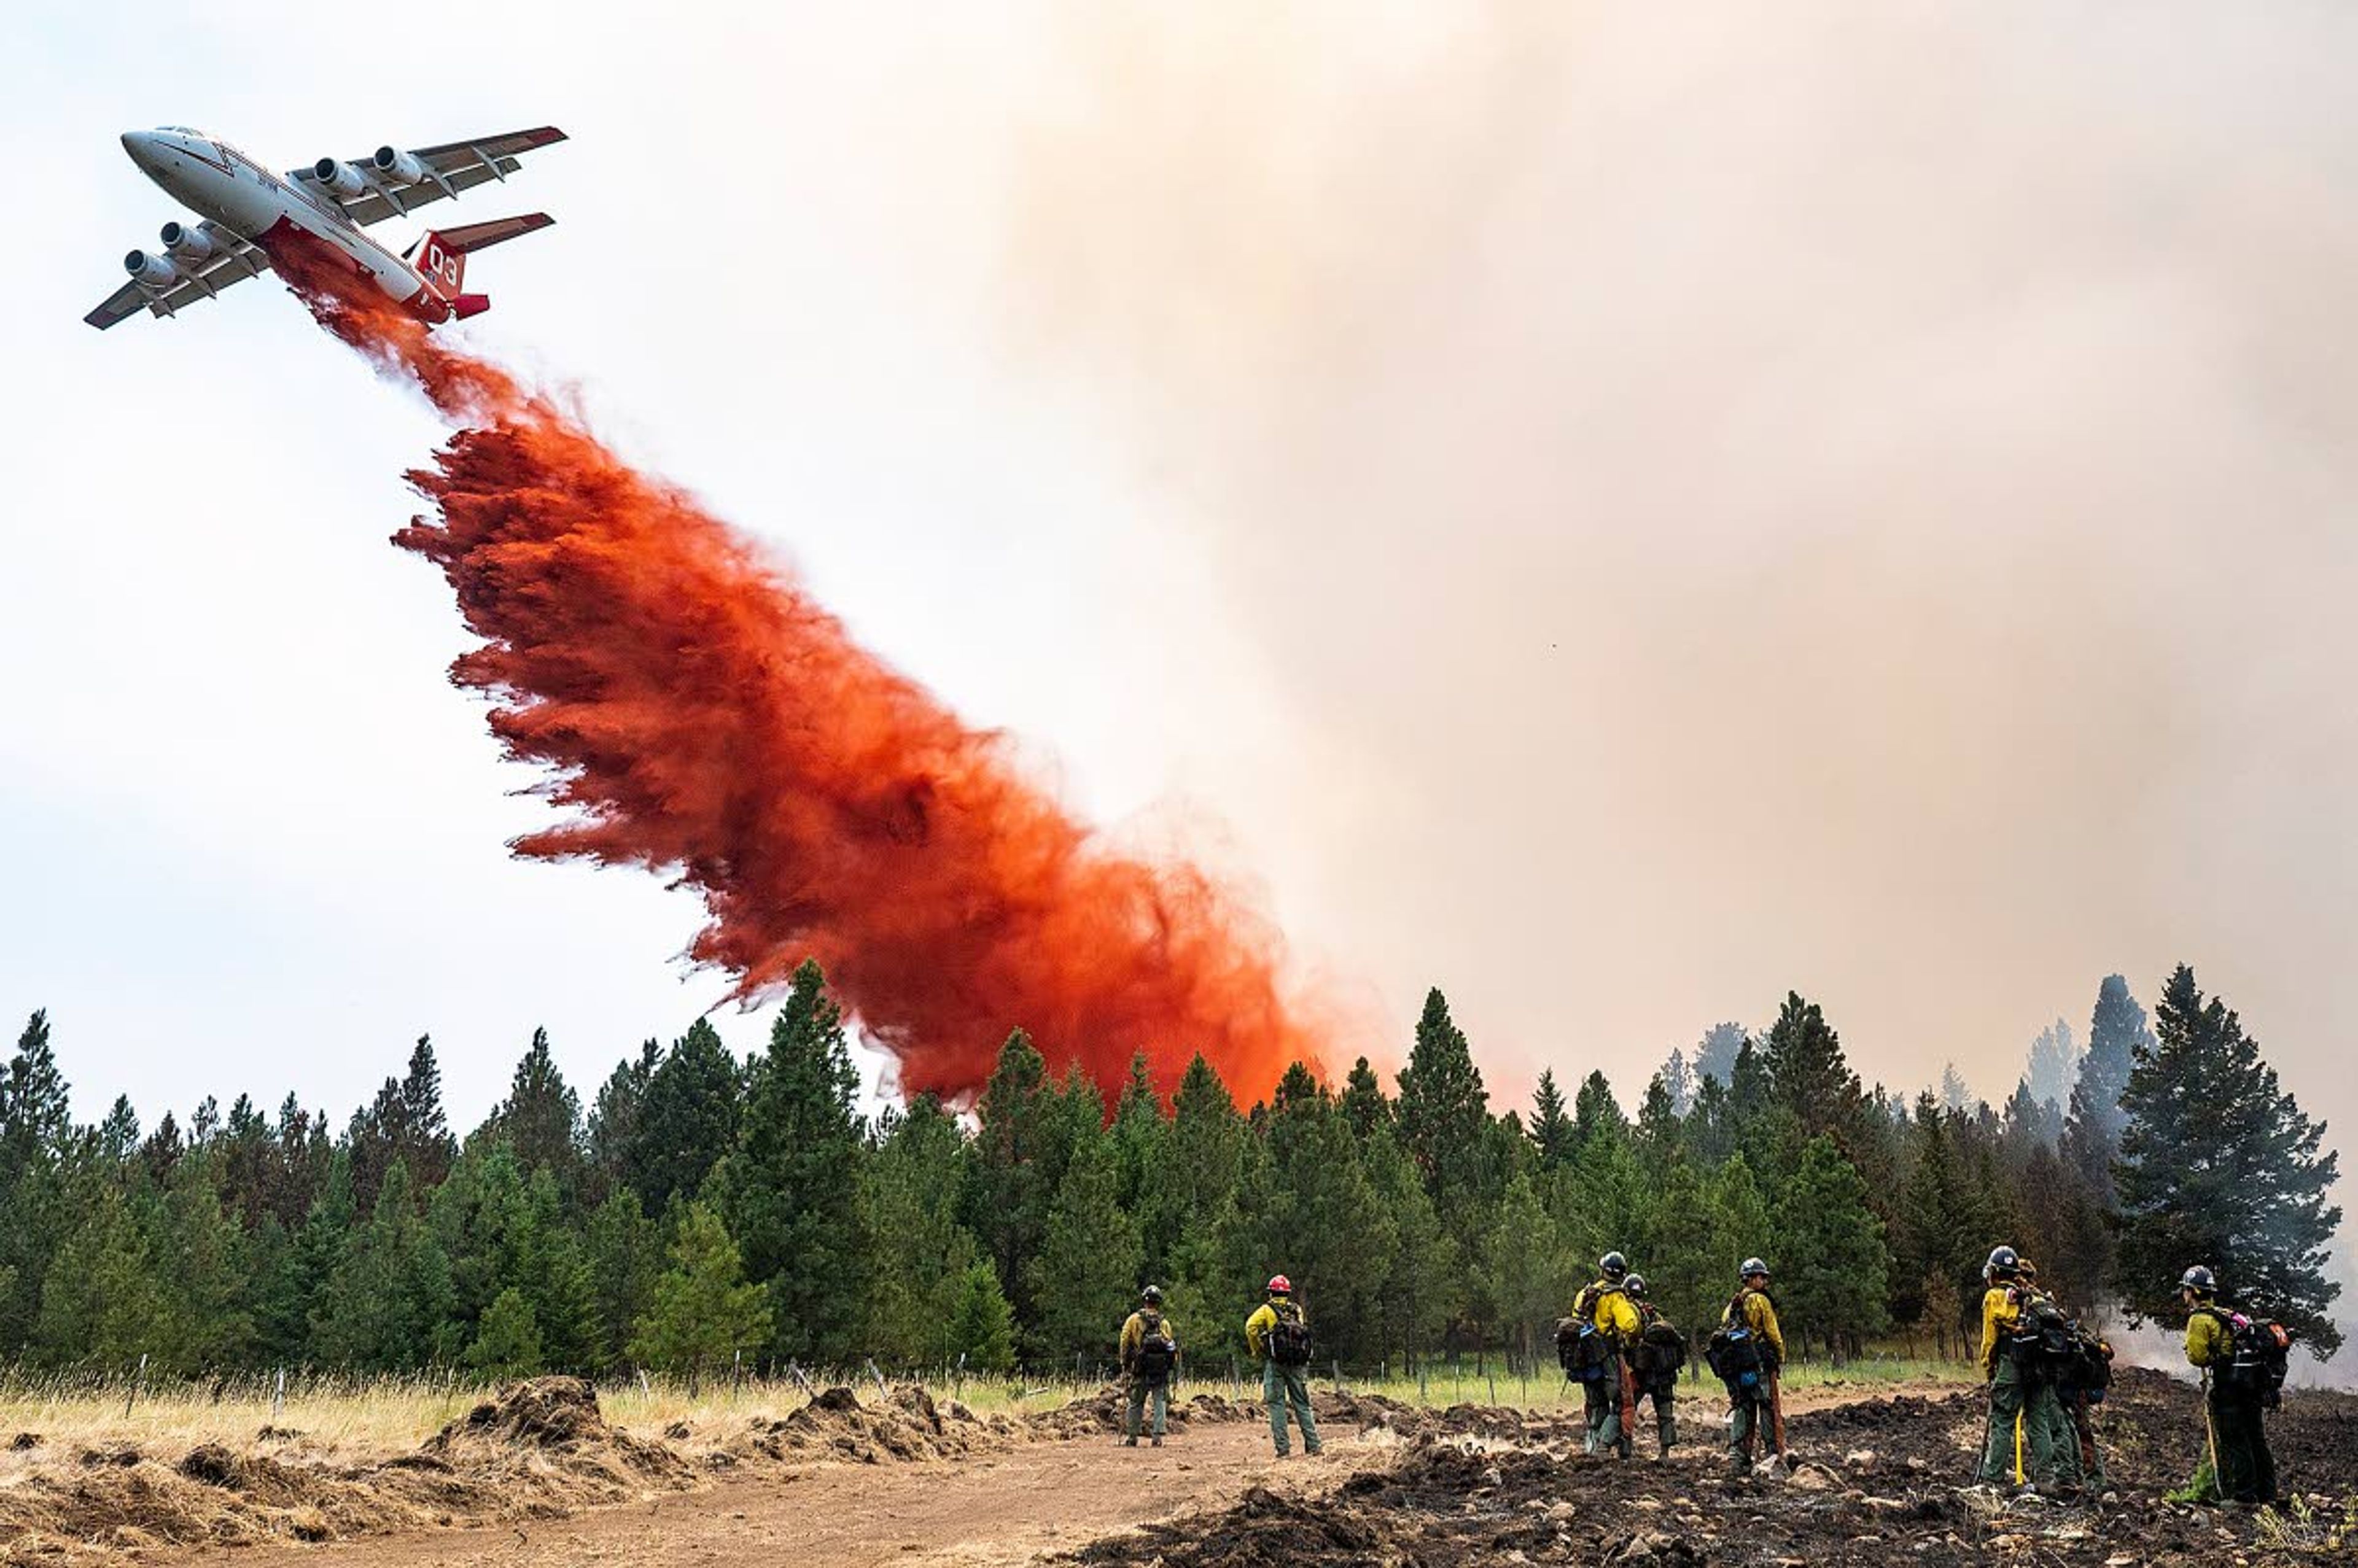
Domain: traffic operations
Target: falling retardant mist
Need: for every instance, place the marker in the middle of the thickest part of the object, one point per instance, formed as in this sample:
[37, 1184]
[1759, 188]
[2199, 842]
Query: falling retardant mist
[699, 716]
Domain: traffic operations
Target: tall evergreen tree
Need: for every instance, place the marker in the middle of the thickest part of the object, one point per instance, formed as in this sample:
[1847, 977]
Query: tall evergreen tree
[1364, 1101]
[1420, 1289]
[910, 1188]
[2053, 1067]
[1714, 1054]
[2219, 1167]
[1811, 1077]
[1085, 1275]
[1954, 1096]
[613, 1136]
[687, 1118]
[1678, 1077]
[1552, 1128]
[36, 1121]
[1595, 1113]
[1443, 1111]
[542, 1115]
[793, 1193]
[1834, 1277]
[1141, 1139]
[624, 1251]
[1012, 1188]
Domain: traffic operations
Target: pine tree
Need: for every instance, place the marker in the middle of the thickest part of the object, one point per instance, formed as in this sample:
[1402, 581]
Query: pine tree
[1304, 1207]
[103, 1301]
[210, 1261]
[704, 1315]
[1011, 1189]
[1811, 1077]
[2219, 1167]
[1552, 1128]
[910, 1188]
[1525, 1271]
[1954, 1096]
[1363, 1100]
[542, 1116]
[1595, 1113]
[507, 1341]
[1421, 1289]
[1443, 1112]
[1142, 1141]
[390, 1304]
[35, 1113]
[1659, 1131]
[614, 1136]
[687, 1118]
[982, 1325]
[1714, 1055]
[36, 1121]
[1943, 1226]
[1086, 1270]
[624, 1252]
[793, 1195]
[2117, 1033]
[1836, 1273]
[2053, 1066]
[1679, 1077]
[1687, 1272]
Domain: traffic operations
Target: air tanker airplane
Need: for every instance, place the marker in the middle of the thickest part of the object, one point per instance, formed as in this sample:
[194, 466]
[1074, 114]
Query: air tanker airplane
[250, 212]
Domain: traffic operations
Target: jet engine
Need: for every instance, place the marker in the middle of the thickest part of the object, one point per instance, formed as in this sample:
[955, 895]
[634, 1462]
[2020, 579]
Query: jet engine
[395, 164]
[336, 178]
[186, 245]
[154, 272]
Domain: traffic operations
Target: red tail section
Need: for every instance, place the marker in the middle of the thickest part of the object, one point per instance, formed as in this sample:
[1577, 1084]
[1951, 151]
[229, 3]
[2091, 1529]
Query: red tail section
[440, 258]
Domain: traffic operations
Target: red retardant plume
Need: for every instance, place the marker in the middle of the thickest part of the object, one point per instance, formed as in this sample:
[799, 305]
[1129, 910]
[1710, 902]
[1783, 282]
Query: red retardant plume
[704, 717]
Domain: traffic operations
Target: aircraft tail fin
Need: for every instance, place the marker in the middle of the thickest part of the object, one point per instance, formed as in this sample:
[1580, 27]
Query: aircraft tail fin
[440, 256]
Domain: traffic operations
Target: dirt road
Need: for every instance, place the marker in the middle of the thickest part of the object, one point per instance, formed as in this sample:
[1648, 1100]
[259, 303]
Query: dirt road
[1008, 1508]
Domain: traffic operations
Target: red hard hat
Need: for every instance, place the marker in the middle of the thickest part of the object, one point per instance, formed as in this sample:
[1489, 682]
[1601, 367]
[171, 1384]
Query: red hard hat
[1279, 1285]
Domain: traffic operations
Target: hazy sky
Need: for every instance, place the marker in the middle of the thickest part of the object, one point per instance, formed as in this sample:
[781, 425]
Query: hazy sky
[1614, 511]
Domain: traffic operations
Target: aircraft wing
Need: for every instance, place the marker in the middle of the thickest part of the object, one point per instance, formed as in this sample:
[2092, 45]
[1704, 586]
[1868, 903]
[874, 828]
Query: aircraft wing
[233, 259]
[451, 167]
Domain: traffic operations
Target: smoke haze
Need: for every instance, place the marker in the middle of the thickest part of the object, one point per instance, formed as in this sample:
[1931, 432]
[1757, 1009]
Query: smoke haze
[1841, 497]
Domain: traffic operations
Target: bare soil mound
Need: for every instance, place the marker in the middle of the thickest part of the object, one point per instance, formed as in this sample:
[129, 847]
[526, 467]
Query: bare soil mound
[1878, 1482]
[908, 1425]
[537, 1448]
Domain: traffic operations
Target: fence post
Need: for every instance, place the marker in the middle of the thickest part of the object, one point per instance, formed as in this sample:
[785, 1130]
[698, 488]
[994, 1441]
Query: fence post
[1236, 1388]
[882, 1392]
[646, 1390]
[736, 1374]
[1337, 1363]
[278, 1399]
[795, 1371]
[138, 1379]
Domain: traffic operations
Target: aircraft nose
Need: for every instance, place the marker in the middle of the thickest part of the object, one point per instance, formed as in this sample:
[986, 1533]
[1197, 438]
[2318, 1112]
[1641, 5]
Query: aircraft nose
[141, 146]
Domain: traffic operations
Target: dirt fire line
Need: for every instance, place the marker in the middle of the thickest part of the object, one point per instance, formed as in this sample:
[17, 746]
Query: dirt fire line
[702, 716]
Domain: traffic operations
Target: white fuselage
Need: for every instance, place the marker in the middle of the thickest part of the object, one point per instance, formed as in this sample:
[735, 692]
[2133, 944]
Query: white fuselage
[209, 176]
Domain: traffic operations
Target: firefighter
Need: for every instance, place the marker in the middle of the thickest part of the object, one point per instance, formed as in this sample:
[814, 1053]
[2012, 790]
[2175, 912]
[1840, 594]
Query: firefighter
[2240, 1458]
[1604, 1305]
[1655, 1363]
[2020, 1447]
[1279, 1336]
[2062, 1434]
[1752, 1401]
[1150, 1354]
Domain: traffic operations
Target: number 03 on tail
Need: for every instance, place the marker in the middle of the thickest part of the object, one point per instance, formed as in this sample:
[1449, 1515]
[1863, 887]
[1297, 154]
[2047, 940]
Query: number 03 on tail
[249, 214]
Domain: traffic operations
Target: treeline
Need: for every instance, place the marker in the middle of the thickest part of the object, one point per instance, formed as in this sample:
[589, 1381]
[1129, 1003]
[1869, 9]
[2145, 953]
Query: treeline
[703, 1209]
